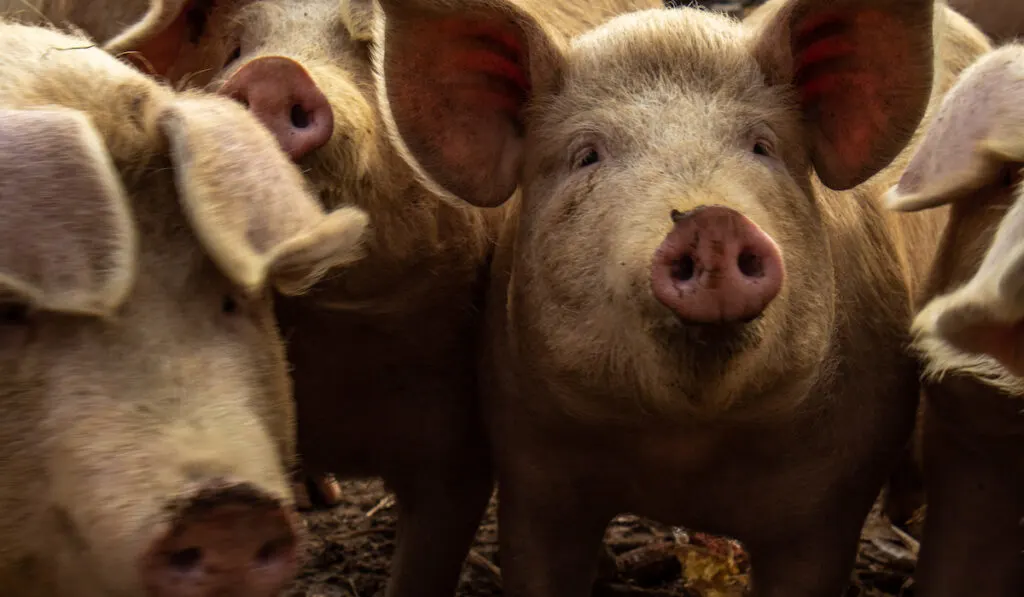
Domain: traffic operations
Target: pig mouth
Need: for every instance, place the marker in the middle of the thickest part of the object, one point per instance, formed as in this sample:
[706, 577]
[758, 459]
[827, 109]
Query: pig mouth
[709, 347]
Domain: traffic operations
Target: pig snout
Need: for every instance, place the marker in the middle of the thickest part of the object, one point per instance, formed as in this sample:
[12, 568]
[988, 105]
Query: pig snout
[284, 97]
[227, 541]
[716, 266]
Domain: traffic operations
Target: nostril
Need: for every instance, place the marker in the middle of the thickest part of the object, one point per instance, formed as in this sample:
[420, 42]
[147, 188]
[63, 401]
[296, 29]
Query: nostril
[185, 560]
[750, 265]
[300, 117]
[272, 550]
[683, 268]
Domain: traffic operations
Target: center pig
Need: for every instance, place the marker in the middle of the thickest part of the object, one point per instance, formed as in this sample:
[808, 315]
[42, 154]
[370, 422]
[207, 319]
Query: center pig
[698, 309]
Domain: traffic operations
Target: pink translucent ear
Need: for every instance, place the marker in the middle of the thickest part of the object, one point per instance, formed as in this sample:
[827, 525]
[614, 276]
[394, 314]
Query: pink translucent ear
[67, 239]
[978, 128]
[454, 78]
[863, 70]
[155, 41]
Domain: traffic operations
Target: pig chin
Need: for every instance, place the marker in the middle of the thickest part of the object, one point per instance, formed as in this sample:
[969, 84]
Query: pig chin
[700, 344]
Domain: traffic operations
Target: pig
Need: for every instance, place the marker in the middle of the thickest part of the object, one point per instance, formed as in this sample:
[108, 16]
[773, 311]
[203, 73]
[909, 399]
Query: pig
[968, 334]
[100, 20]
[1003, 20]
[699, 307]
[148, 427]
[383, 354]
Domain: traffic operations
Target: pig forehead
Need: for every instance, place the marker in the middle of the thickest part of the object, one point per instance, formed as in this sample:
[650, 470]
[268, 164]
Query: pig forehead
[704, 80]
[689, 48]
[315, 25]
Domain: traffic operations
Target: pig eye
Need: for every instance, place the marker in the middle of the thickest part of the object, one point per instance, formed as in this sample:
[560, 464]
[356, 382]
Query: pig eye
[763, 148]
[229, 305]
[588, 156]
[12, 314]
[1010, 175]
[195, 24]
[234, 55]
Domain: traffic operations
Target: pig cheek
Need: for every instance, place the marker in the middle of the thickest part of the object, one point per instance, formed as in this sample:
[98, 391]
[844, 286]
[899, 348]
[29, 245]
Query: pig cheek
[352, 152]
[264, 376]
[566, 241]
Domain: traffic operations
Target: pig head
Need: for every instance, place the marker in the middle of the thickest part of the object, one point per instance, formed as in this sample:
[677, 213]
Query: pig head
[495, 141]
[302, 67]
[149, 423]
[971, 158]
[969, 333]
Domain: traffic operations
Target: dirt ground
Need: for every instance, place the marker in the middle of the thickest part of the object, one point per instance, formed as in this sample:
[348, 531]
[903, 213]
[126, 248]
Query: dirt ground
[350, 547]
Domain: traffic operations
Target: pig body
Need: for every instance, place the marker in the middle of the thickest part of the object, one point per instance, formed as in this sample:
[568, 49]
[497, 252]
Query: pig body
[148, 427]
[617, 375]
[1002, 20]
[968, 334]
[384, 353]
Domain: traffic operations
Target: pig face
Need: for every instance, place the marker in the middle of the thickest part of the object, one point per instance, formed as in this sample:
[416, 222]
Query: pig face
[671, 230]
[300, 66]
[149, 425]
[303, 68]
[972, 158]
[617, 177]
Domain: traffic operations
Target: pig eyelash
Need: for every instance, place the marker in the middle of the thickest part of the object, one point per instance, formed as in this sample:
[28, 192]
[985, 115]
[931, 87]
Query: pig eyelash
[587, 156]
[234, 55]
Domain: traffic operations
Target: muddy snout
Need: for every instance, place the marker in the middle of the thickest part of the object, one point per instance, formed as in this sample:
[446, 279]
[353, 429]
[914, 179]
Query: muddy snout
[227, 540]
[283, 96]
[716, 266]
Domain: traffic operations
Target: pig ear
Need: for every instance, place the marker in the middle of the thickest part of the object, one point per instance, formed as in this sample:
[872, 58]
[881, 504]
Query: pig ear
[67, 240]
[358, 16]
[986, 315]
[863, 70]
[977, 130]
[453, 80]
[158, 36]
[248, 203]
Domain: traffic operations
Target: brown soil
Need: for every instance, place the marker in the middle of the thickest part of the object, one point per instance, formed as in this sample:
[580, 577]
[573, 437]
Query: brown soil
[350, 546]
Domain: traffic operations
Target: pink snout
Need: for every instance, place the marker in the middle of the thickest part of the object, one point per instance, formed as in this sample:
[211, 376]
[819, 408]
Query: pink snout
[286, 100]
[227, 541]
[716, 266]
